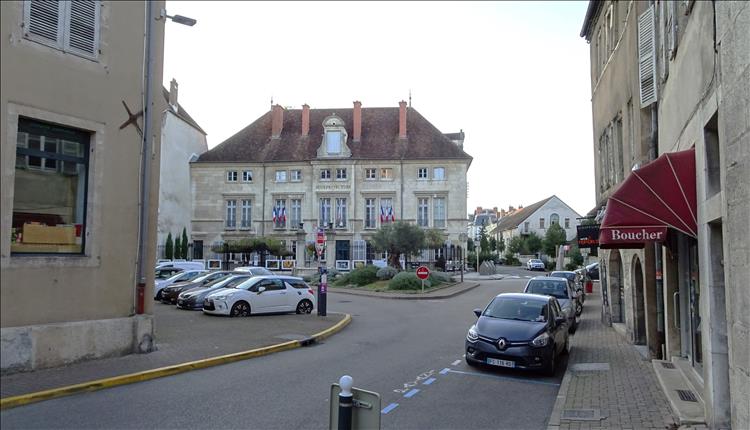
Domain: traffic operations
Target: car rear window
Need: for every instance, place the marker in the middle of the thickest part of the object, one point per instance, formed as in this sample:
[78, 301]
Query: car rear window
[569, 276]
[517, 309]
[556, 289]
[296, 283]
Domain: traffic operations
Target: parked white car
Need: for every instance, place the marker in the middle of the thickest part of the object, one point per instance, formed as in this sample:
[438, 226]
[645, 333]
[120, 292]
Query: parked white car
[262, 294]
[535, 264]
[185, 275]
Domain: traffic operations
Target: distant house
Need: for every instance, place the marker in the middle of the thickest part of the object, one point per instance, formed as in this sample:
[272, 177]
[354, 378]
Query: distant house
[182, 142]
[537, 218]
[481, 217]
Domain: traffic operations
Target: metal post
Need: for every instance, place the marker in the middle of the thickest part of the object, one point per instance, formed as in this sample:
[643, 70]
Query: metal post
[145, 186]
[322, 290]
[345, 403]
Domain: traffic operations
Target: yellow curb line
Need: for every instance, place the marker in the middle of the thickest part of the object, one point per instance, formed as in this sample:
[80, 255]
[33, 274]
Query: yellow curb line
[24, 399]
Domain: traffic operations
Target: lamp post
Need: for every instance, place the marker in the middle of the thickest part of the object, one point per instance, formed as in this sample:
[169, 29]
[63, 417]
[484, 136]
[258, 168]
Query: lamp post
[147, 145]
[462, 239]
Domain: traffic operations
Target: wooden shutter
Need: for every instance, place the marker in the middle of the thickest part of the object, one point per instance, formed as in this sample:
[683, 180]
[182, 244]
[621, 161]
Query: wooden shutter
[647, 57]
[82, 36]
[43, 21]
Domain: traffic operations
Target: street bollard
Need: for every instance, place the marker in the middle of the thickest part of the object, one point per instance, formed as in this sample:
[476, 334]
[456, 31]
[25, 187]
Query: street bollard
[345, 403]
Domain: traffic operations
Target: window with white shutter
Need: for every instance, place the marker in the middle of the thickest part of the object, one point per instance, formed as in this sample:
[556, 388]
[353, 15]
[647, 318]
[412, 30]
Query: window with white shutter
[71, 26]
[647, 57]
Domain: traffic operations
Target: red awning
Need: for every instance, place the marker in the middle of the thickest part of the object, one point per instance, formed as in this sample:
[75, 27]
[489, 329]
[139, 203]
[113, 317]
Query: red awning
[656, 197]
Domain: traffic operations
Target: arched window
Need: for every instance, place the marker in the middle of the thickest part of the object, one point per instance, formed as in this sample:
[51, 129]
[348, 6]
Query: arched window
[554, 219]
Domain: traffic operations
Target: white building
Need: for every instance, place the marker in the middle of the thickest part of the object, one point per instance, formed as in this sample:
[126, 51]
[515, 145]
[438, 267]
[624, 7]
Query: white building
[183, 141]
[537, 218]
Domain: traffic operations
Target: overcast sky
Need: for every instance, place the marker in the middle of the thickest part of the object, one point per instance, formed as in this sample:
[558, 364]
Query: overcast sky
[513, 75]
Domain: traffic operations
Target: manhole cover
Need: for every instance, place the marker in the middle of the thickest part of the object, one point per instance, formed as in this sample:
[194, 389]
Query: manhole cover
[589, 367]
[581, 415]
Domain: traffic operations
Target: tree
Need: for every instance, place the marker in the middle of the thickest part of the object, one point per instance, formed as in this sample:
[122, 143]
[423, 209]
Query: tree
[500, 246]
[493, 244]
[516, 245]
[184, 250]
[434, 238]
[575, 255]
[484, 243]
[533, 243]
[169, 247]
[469, 245]
[554, 237]
[399, 238]
[177, 248]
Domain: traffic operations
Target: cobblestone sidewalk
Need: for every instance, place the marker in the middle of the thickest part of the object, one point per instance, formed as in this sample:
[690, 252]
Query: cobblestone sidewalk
[608, 384]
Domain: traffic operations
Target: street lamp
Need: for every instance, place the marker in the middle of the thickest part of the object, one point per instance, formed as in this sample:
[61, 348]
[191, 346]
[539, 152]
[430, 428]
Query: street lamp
[462, 239]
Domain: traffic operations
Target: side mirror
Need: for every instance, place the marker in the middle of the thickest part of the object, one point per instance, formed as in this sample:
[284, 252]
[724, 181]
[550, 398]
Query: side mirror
[478, 312]
[559, 320]
[261, 289]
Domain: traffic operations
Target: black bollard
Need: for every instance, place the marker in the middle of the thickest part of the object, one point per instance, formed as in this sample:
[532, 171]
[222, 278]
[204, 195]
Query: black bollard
[346, 400]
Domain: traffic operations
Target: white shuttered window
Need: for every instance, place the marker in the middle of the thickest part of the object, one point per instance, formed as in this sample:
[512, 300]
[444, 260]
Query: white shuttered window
[647, 57]
[71, 26]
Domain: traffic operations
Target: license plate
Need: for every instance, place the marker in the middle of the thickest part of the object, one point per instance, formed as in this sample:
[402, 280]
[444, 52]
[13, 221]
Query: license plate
[501, 363]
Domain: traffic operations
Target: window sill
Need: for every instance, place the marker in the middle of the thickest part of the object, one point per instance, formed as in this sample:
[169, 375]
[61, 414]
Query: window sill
[230, 228]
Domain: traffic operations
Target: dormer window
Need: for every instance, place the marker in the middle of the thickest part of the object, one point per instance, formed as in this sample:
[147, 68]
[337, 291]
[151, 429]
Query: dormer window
[334, 138]
[333, 142]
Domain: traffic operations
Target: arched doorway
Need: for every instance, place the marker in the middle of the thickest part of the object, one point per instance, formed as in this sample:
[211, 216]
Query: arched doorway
[639, 304]
[616, 289]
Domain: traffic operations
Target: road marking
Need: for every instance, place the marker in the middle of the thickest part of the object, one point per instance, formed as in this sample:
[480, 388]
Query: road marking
[445, 371]
[530, 381]
[389, 408]
[429, 381]
[411, 393]
[455, 363]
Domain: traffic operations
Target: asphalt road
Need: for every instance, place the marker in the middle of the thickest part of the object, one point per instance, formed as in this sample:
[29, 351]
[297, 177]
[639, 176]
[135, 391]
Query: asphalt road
[411, 352]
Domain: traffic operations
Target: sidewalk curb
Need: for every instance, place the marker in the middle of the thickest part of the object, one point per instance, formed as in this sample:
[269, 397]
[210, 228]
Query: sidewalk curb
[24, 399]
[402, 296]
[554, 418]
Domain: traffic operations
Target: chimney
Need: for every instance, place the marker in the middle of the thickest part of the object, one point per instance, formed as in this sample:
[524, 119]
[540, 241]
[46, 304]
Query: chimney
[173, 94]
[357, 119]
[520, 207]
[402, 119]
[277, 120]
[305, 120]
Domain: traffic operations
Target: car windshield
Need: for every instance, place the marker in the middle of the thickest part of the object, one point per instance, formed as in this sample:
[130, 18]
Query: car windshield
[217, 281]
[556, 289]
[165, 273]
[517, 309]
[569, 276]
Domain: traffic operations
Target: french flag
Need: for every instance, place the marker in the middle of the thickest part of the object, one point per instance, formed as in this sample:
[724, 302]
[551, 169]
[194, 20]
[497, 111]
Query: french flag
[275, 216]
[390, 214]
[283, 214]
[382, 214]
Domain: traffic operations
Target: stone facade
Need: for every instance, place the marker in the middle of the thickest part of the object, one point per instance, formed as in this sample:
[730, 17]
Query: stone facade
[702, 82]
[67, 298]
[318, 179]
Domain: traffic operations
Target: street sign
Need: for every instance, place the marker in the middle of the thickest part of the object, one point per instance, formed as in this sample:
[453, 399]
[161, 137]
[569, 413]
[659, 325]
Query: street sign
[423, 272]
[366, 412]
[320, 241]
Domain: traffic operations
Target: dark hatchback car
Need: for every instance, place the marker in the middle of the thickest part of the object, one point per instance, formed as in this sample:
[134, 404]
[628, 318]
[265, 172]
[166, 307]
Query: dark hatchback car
[169, 294]
[518, 331]
[577, 280]
[193, 299]
[561, 289]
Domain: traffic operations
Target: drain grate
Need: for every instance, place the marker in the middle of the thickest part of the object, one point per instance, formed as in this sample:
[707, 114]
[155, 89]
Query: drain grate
[667, 365]
[687, 396]
[581, 415]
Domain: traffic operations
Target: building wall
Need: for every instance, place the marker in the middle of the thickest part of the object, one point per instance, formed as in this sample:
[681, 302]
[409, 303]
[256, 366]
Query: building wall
[705, 103]
[58, 309]
[554, 206]
[179, 142]
[209, 209]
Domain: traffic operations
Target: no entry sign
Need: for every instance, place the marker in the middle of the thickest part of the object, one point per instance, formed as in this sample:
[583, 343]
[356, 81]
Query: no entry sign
[423, 272]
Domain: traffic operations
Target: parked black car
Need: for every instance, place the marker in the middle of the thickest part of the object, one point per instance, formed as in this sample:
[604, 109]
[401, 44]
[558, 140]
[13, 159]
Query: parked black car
[592, 270]
[193, 299]
[169, 294]
[520, 331]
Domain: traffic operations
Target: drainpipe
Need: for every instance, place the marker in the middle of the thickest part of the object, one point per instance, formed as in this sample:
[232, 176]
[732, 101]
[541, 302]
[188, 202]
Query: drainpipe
[145, 188]
[653, 153]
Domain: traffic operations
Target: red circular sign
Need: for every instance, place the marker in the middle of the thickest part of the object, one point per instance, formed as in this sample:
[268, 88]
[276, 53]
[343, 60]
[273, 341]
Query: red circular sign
[321, 237]
[423, 272]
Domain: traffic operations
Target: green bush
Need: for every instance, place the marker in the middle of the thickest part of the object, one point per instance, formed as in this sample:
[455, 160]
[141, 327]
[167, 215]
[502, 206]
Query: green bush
[571, 266]
[362, 276]
[407, 281]
[437, 278]
[386, 273]
[550, 265]
[511, 260]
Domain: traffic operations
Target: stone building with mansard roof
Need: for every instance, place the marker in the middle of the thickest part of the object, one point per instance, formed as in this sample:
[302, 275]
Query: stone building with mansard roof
[347, 170]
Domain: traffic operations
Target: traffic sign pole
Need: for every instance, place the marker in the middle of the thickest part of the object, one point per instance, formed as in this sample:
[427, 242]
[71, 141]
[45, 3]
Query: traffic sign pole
[423, 273]
[323, 286]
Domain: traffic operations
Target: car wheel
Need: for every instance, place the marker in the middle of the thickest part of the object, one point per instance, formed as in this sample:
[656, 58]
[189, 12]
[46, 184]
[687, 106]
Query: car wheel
[304, 307]
[240, 309]
[549, 370]
[573, 327]
[579, 309]
[158, 296]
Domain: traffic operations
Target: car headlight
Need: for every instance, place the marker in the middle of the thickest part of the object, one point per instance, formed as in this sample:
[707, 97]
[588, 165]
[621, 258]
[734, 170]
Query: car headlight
[541, 340]
[472, 335]
[224, 297]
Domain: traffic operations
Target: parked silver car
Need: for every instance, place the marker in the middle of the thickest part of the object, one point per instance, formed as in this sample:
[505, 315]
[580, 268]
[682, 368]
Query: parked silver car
[562, 290]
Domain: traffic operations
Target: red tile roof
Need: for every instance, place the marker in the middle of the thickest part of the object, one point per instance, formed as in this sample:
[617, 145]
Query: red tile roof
[379, 138]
